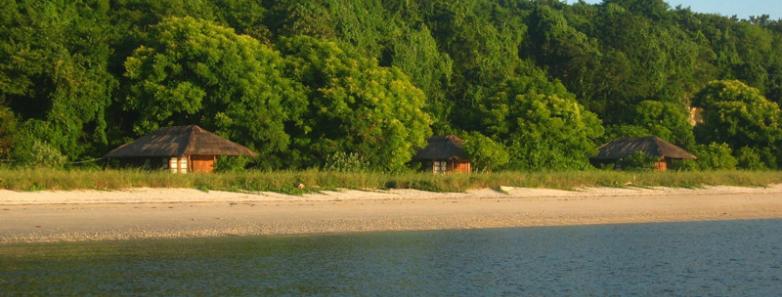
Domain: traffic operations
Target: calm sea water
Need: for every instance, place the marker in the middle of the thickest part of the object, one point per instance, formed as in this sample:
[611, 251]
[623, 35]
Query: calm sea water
[739, 258]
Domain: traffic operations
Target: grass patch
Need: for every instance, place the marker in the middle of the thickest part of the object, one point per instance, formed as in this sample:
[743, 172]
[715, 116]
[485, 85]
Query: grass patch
[315, 181]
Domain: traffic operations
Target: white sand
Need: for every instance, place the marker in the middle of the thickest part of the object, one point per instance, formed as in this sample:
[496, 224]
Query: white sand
[140, 213]
[165, 195]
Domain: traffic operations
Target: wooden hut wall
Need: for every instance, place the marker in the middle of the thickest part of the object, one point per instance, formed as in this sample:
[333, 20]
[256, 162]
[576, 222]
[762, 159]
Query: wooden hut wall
[661, 165]
[450, 166]
[461, 166]
[202, 163]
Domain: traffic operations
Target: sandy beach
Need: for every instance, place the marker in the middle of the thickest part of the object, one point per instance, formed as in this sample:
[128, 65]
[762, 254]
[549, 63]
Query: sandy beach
[164, 213]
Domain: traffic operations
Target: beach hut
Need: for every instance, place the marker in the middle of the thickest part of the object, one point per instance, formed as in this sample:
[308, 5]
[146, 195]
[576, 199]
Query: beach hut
[652, 146]
[444, 154]
[181, 149]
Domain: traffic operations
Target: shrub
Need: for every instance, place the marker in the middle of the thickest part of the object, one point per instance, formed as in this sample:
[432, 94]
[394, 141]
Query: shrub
[618, 131]
[38, 154]
[231, 163]
[637, 161]
[715, 156]
[749, 158]
[346, 162]
[485, 154]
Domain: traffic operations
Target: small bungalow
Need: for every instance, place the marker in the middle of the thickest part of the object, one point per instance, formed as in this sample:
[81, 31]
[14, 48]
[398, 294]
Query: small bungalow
[444, 154]
[181, 149]
[651, 145]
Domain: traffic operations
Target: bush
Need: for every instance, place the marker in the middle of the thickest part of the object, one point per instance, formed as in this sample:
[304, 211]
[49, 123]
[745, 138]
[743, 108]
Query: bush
[639, 161]
[346, 162]
[750, 158]
[231, 163]
[485, 154]
[618, 131]
[37, 154]
[714, 156]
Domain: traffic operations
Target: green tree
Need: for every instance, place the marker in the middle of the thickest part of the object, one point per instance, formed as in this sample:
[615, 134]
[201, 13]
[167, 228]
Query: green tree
[618, 131]
[543, 126]
[290, 18]
[567, 54]
[67, 66]
[750, 158]
[416, 53]
[714, 156]
[54, 69]
[31, 148]
[355, 106]
[485, 154]
[738, 115]
[667, 120]
[197, 72]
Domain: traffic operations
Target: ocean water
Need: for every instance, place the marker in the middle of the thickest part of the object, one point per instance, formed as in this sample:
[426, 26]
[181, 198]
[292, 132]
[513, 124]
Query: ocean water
[735, 258]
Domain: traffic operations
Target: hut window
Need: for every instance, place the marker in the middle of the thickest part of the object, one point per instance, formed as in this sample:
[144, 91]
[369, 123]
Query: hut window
[182, 165]
[177, 165]
[439, 166]
[173, 164]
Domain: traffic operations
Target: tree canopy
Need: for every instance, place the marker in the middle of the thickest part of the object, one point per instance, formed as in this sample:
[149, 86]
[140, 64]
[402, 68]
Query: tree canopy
[305, 82]
[195, 71]
[355, 106]
[740, 116]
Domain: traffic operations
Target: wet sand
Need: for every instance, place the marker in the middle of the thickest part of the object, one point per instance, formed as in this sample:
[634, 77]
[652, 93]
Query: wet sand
[172, 213]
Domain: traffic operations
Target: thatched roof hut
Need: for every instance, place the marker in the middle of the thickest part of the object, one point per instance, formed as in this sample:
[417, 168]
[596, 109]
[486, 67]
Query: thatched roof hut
[186, 146]
[651, 145]
[444, 154]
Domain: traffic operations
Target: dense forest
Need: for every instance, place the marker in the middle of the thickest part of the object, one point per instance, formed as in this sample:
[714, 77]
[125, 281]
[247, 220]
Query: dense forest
[530, 85]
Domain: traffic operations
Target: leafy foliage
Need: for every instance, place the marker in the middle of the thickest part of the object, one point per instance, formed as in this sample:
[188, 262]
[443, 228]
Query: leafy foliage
[666, 120]
[231, 163]
[194, 71]
[543, 126]
[750, 158]
[485, 154]
[53, 68]
[355, 106]
[740, 116]
[303, 81]
[714, 156]
[638, 161]
[30, 151]
[343, 162]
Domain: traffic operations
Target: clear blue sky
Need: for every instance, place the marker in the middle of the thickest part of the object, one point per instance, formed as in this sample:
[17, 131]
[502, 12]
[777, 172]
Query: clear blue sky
[740, 8]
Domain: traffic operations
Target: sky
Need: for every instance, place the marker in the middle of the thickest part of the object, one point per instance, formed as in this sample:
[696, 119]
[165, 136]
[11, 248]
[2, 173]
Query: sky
[740, 8]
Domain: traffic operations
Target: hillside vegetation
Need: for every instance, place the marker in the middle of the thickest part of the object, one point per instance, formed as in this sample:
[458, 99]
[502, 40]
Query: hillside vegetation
[530, 85]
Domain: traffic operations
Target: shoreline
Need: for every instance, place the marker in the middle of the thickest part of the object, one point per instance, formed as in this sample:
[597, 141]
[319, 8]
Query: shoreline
[183, 213]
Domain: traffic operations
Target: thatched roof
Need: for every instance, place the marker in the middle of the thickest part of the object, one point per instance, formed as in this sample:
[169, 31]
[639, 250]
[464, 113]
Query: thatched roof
[180, 141]
[443, 148]
[651, 145]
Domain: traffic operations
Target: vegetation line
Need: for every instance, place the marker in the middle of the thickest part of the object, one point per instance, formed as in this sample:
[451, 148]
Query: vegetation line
[300, 182]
